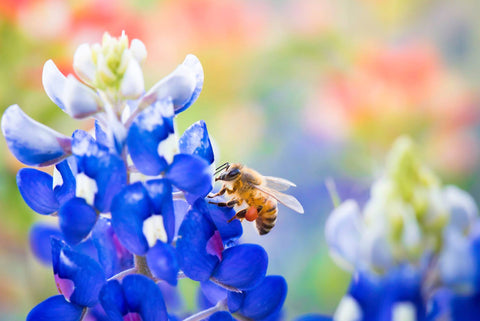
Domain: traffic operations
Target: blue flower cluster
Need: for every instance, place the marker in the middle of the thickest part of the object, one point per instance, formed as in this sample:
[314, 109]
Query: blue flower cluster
[414, 249]
[129, 198]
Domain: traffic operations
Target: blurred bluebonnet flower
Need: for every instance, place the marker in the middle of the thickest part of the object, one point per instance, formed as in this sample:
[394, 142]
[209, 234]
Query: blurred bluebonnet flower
[129, 197]
[413, 237]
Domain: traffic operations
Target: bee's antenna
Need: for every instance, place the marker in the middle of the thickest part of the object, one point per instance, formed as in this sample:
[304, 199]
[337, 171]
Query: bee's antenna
[222, 167]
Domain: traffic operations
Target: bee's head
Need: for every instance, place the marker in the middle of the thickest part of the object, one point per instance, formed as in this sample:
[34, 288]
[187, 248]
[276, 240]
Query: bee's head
[228, 172]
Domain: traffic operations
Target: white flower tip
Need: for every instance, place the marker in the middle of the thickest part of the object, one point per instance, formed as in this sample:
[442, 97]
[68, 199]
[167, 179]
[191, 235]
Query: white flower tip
[348, 310]
[404, 311]
[53, 82]
[132, 85]
[153, 229]
[83, 63]
[86, 188]
[343, 231]
[138, 50]
[192, 62]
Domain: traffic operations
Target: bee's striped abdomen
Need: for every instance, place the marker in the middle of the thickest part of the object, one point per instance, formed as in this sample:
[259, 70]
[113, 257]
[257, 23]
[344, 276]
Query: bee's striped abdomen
[266, 218]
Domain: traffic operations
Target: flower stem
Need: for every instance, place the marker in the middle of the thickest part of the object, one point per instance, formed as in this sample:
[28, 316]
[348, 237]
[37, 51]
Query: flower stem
[141, 266]
[332, 191]
[221, 306]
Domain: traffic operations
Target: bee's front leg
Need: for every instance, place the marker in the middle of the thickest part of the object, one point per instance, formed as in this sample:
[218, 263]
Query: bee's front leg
[230, 203]
[220, 192]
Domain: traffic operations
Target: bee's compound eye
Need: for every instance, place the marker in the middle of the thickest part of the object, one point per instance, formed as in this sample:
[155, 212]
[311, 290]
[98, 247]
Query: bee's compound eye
[233, 173]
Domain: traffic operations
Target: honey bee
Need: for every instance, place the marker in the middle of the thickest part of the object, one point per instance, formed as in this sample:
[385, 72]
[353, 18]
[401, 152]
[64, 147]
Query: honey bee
[254, 196]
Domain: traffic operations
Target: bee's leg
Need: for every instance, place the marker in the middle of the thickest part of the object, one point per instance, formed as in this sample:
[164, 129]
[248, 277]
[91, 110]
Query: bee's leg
[239, 215]
[220, 192]
[230, 203]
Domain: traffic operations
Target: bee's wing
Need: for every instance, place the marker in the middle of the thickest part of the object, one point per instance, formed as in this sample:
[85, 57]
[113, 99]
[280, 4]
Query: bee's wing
[277, 183]
[287, 200]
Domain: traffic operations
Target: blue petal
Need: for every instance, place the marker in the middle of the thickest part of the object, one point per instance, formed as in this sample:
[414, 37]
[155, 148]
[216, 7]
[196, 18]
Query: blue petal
[180, 209]
[194, 233]
[113, 300]
[40, 234]
[100, 135]
[97, 313]
[87, 248]
[235, 301]
[160, 193]
[172, 296]
[377, 296]
[86, 274]
[313, 317]
[31, 142]
[144, 297]
[465, 307]
[266, 299]
[55, 308]
[190, 174]
[54, 83]
[243, 266]
[162, 261]
[130, 208]
[221, 316]
[97, 162]
[76, 219]
[65, 191]
[212, 292]
[36, 188]
[113, 257]
[146, 132]
[220, 216]
[195, 141]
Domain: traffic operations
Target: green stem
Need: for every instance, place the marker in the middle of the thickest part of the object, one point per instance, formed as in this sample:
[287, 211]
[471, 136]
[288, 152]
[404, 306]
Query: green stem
[141, 266]
[332, 191]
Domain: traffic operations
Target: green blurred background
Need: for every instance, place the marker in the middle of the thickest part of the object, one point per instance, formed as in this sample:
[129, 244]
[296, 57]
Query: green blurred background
[309, 90]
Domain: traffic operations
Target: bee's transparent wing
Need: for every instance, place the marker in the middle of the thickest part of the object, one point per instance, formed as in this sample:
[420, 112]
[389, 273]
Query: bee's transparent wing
[287, 200]
[277, 183]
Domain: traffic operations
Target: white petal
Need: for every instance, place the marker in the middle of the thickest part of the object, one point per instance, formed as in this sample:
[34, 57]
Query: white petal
[178, 86]
[80, 100]
[404, 311]
[154, 230]
[375, 249]
[83, 63]
[138, 50]
[57, 178]
[456, 263]
[348, 310]
[342, 232]
[168, 147]
[54, 83]
[462, 208]
[132, 85]
[86, 188]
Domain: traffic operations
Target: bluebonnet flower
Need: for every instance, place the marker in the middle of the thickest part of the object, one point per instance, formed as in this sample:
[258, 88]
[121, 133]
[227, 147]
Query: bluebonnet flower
[79, 280]
[129, 197]
[413, 240]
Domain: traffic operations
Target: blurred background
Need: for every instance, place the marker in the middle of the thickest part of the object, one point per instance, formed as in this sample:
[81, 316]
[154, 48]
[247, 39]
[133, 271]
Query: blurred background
[308, 90]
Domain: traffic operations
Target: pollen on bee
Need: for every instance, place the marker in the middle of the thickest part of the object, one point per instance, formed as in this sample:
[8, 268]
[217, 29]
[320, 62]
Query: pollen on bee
[251, 214]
